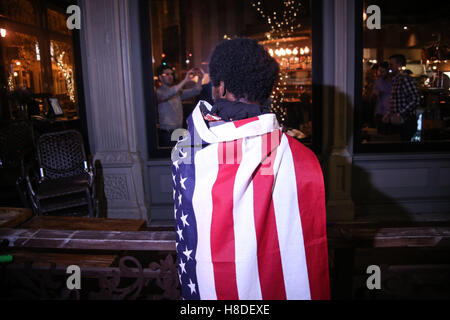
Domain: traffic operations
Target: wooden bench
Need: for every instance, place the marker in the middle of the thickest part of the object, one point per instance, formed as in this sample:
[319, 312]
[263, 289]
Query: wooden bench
[90, 241]
[115, 264]
[84, 223]
[12, 217]
[49, 234]
[344, 238]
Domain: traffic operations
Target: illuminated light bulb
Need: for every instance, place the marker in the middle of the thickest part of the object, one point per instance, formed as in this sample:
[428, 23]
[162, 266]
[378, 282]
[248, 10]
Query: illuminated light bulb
[3, 32]
[288, 51]
[163, 55]
[282, 52]
[187, 61]
[271, 52]
[277, 52]
[306, 50]
[16, 74]
[18, 63]
[295, 51]
[302, 51]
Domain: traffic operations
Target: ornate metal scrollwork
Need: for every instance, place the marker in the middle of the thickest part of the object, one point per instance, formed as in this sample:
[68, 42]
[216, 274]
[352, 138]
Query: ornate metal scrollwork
[130, 281]
[167, 278]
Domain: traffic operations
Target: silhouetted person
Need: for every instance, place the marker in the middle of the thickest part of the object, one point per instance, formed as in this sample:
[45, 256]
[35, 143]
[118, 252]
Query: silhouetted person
[404, 99]
[382, 91]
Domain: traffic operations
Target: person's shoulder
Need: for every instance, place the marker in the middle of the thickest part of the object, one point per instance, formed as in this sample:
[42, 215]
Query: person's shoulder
[405, 77]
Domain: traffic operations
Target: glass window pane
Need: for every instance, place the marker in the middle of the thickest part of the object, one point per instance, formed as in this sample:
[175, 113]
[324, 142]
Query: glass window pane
[184, 34]
[57, 21]
[21, 65]
[406, 73]
[63, 75]
[19, 10]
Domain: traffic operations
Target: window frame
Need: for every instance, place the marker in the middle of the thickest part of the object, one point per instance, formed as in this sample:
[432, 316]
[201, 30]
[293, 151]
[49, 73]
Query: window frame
[44, 35]
[148, 83]
[386, 148]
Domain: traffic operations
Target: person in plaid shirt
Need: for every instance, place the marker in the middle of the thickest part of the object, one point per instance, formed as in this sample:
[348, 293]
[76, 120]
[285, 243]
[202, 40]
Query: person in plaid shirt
[404, 99]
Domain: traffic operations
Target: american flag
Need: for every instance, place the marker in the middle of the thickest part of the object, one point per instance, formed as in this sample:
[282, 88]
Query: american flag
[249, 206]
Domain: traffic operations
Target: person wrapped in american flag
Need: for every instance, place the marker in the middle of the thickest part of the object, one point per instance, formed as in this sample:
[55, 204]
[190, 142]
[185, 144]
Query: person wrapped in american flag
[249, 200]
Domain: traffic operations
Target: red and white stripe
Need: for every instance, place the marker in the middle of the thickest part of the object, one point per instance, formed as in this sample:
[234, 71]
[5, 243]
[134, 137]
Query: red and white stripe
[259, 207]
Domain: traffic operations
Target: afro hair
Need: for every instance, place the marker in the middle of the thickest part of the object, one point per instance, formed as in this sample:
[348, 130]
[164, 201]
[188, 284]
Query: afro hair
[245, 67]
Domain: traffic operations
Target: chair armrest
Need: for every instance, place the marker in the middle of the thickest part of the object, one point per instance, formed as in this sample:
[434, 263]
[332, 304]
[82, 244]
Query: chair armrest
[90, 170]
[26, 172]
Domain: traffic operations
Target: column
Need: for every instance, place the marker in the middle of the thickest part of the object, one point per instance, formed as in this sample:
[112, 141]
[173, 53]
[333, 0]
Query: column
[339, 109]
[111, 107]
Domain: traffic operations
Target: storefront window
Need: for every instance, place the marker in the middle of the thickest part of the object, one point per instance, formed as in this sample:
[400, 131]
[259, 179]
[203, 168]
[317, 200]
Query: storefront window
[22, 62]
[22, 11]
[62, 71]
[184, 34]
[406, 69]
[36, 61]
[57, 21]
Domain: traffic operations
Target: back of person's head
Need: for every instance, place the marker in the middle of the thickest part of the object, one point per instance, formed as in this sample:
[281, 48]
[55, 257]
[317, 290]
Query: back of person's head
[401, 59]
[245, 67]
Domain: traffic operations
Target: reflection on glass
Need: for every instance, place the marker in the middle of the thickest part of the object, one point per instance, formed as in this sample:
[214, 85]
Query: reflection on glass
[57, 21]
[22, 72]
[422, 80]
[184, 33]
[34, 65]
[292, 96]
[63, 74]
[22, 65]
[18, 10]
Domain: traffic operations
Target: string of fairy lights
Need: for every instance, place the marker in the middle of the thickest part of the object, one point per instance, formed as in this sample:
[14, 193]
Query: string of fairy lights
[68, 75]
[282, 24]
